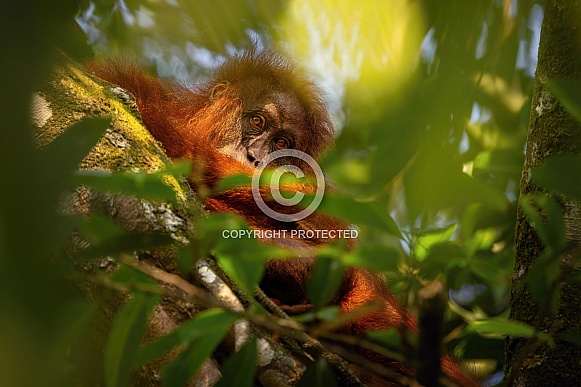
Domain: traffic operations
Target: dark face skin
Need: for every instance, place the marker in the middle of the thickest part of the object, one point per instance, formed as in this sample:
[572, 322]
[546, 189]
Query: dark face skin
[271, 120]
[270, 126]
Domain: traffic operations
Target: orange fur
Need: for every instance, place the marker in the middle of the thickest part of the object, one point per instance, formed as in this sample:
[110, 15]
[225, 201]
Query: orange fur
[196, 123]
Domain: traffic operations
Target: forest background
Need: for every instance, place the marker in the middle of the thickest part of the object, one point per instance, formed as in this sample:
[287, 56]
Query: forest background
[432, 105]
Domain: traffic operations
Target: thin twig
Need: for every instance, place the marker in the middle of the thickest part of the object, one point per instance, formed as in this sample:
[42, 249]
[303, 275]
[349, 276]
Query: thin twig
[284, 327]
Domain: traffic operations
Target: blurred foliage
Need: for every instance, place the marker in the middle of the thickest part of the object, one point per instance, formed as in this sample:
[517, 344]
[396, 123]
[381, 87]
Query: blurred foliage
[431, 102]
[40, 313]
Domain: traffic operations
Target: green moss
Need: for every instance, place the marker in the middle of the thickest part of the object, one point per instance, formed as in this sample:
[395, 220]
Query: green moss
[73, 95]
[552, 130]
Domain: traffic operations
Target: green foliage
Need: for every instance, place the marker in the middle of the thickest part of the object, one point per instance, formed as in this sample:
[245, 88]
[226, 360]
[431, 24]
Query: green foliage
[376, 258]
[233, 181]
[199, 337]
[318, 373]
[324, 281]
[572, 336]
[431, 168]
[561, 173]
[210, 322]
[240, 368]
[213, 24]
[392, 339]
[43, 317]
[568, 93]
[68, 150]
[499, 161]
[236, 249]
[107, 238]
[144, 185]
[327, 313]
[430, 238]
[359, 212]
[123, 340]
[543, 280]
[202, 337]
[500, 327]
[546, 216]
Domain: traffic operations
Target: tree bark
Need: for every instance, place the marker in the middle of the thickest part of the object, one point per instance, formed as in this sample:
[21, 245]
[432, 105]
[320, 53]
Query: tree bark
[68, 97]
[552, 130]
[71, 95]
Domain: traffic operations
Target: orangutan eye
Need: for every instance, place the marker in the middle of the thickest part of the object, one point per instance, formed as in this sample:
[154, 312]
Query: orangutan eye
[281, 143]
[257, 121]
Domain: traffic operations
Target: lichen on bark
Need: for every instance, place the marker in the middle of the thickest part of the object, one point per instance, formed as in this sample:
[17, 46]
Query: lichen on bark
[70, 95]
[552, 130]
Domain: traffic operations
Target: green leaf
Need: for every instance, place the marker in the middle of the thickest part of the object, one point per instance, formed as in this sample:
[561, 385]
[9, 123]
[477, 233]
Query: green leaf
[327, 313]
[213, 229]
[574, 277]
[351, 170]
[500, 161]
[389, 338]
[484, 268]
[143, 185]
[324, 280]
[358, 212]
[462, 189]
[74, 320]
[240, 368]
[544, 271]
[126, 243]
[246, 272]
[550, 227]
[527, 204]
[243, 259]
[568, 92]
[440, 258]
[237, 249]
[131, 278]
[429, 238]
[233, 181]
[203, 338]
[66, 152]
[449, 188]
[500, 327]
[561, 173]
[186, 257]
[99, 228]
[123, 341]
[376, 258]
[571, 336]
[177, 168]
[200, 326]
[482, 239]
[318, 373]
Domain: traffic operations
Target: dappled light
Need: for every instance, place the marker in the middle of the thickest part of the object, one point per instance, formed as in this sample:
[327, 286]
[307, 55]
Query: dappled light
[372, 44]
[451, 176]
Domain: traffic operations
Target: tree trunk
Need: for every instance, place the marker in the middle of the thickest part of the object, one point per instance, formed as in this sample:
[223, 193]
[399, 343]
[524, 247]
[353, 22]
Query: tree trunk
[552, 130]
